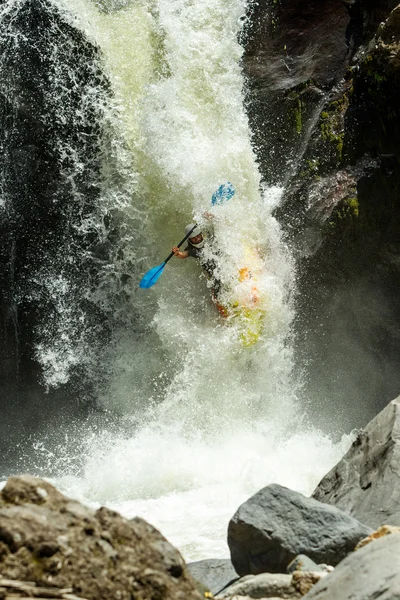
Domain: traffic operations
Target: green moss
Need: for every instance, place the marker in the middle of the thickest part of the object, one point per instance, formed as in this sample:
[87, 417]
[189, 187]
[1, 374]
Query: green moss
[339, 145]
[348, 208]
[353, 206]
[313, 165]
[331, 125]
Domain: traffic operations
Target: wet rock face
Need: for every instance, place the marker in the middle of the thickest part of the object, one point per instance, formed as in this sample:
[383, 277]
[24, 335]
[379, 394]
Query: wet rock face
[49, 141]
[354, 270]
[294, 51]
[52, 90]
[366, 482]
[333, 141]
[292, 41]
[49, 539]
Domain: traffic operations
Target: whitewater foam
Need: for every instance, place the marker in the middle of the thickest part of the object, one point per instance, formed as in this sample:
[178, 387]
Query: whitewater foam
[207, 422]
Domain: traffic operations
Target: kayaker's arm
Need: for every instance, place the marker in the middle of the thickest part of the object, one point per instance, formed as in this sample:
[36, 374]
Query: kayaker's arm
[179, 254]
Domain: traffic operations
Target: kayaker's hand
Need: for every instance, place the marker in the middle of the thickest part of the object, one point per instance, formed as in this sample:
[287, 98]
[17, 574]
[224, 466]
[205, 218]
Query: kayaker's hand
[179, 254]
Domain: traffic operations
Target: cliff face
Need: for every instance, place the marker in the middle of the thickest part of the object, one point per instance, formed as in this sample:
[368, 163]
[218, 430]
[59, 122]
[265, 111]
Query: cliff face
[51, 91]
[336, 118]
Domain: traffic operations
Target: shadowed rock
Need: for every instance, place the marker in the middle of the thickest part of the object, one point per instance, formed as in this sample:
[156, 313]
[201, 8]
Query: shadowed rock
[214, 573]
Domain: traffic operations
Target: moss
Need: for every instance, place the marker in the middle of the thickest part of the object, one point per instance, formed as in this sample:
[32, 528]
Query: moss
[331, 123]
[348, 208]
[339, 145]
[353, 206]
[313, 165]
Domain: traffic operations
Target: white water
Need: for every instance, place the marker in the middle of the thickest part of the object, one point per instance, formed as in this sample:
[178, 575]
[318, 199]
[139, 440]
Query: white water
[211, 422]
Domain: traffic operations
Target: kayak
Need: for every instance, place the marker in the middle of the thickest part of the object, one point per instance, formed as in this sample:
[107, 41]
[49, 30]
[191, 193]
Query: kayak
[245, 304]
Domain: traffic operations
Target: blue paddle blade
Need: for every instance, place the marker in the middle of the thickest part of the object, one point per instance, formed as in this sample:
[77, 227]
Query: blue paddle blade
[151, 277]
[223, 193]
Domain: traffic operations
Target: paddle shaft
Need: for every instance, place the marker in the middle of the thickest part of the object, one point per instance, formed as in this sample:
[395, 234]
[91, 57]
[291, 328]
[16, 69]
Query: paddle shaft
[180, 244]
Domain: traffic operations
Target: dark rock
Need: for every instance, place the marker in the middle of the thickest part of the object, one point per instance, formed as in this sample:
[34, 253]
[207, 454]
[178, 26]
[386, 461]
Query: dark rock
[52, 98]
[294, 51]
[275, 525]
[215, 573]
[366, 482]
[342, 218]
[369, 573]
[47, 538]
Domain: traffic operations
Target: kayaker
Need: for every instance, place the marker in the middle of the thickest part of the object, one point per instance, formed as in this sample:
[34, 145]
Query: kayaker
[195, 249]
[195, 243]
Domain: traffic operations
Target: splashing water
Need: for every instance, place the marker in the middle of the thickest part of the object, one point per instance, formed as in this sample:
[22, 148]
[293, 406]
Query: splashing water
[207, 421]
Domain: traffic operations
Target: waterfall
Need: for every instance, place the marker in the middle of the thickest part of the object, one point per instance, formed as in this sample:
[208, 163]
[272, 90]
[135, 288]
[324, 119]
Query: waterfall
[204, 421]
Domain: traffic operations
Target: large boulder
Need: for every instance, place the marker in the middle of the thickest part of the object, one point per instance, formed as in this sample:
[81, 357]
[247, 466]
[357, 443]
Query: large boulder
[275, 525]
[49, 539]
[372, 572]
[215, 573]
[366, 482]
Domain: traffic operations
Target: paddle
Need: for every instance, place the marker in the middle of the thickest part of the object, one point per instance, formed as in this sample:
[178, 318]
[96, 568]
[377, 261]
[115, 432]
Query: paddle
[155, 273]
[223, 193]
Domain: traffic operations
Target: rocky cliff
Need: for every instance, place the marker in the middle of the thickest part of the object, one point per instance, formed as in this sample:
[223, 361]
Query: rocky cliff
[324, 80]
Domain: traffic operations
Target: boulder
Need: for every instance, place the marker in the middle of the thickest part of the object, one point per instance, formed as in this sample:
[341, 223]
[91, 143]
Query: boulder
[51, 540]
[266, 585]
[269, 585]
[275, 525]
[215, 573]
[303, 563]
[366, 482]
[372, 572]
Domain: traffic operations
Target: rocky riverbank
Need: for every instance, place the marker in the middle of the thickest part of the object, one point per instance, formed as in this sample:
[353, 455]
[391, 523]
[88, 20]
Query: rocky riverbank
[283, 545]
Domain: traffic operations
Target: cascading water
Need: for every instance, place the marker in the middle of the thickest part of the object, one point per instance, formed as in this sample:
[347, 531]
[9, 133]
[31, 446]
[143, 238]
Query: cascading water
[205, 421]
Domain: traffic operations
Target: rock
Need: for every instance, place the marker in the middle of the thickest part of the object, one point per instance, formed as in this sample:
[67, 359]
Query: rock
[303, 581]
[52, 114]
[347, 309]
[380, 532]
[293, 51]
[366, 482]
[236, 597]
[275, 525]
[266, 585]
[49, 539]
[370, 573]
[302, 563]
[214, 573]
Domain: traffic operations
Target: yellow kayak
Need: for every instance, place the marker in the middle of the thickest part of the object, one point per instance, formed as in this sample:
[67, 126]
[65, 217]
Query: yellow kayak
[246, 306]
